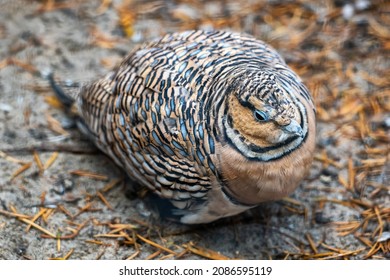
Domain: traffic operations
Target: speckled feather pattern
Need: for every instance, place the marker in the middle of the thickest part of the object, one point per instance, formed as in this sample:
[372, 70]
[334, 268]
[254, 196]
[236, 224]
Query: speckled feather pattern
[175, 110]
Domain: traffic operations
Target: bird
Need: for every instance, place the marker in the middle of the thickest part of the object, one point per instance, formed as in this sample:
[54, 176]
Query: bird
[214, 122]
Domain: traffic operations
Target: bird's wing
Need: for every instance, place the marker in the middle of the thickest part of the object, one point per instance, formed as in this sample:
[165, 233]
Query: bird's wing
[144, 117]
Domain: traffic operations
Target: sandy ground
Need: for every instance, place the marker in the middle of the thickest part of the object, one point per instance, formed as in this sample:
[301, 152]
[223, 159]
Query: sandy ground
[342, 210]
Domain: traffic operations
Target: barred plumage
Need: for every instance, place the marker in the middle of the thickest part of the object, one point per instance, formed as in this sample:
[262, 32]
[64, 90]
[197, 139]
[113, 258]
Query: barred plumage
[215, 122]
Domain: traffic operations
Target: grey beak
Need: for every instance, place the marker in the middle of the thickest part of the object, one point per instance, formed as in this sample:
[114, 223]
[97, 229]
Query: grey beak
[293, 128]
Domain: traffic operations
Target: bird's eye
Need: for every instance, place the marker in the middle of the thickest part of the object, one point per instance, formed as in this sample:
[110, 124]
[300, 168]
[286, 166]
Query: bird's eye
[260, 116]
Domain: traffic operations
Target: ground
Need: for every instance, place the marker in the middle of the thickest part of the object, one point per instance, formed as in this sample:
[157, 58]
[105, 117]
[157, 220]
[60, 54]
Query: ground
[61, 198]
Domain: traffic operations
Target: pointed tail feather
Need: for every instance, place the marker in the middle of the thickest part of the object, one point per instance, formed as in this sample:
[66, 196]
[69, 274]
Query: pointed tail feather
[66, 93]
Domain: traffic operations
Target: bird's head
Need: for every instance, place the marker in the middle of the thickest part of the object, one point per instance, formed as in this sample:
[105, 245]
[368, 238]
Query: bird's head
[264, 119]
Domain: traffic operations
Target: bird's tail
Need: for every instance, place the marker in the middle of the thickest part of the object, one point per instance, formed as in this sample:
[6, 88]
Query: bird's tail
[66, 92]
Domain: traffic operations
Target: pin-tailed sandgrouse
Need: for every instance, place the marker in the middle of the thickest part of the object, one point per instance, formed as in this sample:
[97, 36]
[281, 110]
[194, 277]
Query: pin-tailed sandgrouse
[214, 122]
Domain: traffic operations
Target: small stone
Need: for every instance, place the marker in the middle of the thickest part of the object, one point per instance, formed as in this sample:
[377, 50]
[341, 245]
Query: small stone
[326, 179]
[348, 11]
[6, 107]
[142, 210]
[384, 237]
[386, 122]
[362, 4]
[330, 171]
[320, 219]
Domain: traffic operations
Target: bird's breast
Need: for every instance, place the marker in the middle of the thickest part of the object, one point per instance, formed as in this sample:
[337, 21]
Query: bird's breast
[251, 182]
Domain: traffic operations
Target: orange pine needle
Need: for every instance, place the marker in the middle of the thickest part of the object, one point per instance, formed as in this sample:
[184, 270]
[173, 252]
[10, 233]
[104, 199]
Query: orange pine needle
[111, 184]
[50, 161]
[38, 162]
[375, 248]
[207, 253]
[89, 174]
[64, 257]
[351, 175]
[42, 197]
[11, 159]
[23, 65]
[58, 244]
[97, 242]
[111, 235]
[104, 200]
[55, 125]
[344, 254]
[364, 240]
[38, 227]
[132, 256]
[40, 213]
[311, 243]
[154, 244]
[343, 182]
[378, 231]
[20, 170]
[65, 211]
[47, 214]
[15, 215]
[153, 255]
[68, 254]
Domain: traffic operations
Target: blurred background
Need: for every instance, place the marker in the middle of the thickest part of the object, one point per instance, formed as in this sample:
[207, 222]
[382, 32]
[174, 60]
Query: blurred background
[61, 198]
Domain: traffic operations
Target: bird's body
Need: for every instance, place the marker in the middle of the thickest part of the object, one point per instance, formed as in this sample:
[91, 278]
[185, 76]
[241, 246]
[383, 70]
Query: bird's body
[215, 122]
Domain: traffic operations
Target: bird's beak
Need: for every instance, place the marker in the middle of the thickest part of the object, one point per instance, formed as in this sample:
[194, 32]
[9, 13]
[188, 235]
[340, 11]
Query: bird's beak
[293, 128]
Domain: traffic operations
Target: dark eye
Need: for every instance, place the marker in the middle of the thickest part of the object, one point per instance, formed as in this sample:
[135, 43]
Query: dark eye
[261, 116]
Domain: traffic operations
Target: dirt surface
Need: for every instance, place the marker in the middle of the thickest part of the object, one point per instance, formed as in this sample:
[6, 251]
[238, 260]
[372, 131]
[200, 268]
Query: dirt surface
[76, 198]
